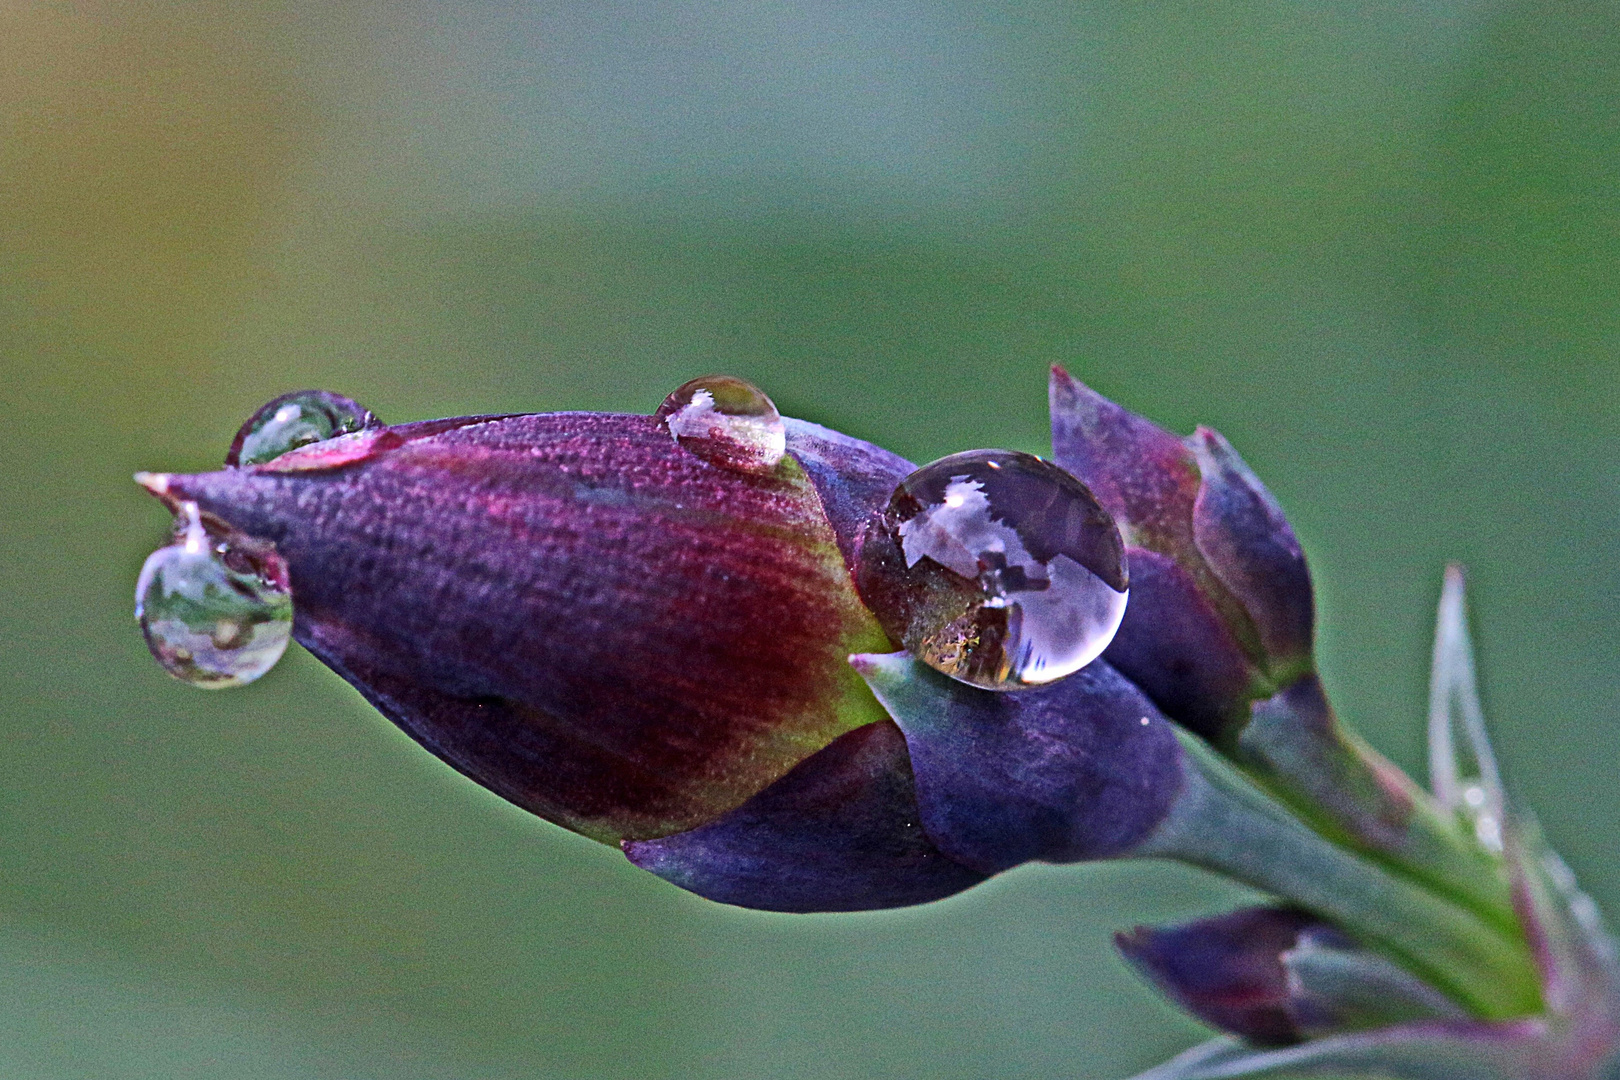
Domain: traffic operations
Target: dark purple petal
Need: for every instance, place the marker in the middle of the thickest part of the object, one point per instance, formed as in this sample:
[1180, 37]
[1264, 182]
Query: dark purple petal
[1085, 768]
[1143, 475]
[840, 832]
[1227, 971]
[572, 610]
[1174, 646]
[1249, 545]
[1279, 975]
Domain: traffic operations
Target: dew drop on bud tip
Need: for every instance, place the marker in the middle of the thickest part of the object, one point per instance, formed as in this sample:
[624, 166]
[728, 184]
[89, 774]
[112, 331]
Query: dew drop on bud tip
[215, 605]
[727, 422]
[996, 568]
[294, 420]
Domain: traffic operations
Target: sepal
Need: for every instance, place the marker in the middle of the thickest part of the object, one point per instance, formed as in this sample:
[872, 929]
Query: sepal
[1462, 766]
[1085, 768]
[840, 832]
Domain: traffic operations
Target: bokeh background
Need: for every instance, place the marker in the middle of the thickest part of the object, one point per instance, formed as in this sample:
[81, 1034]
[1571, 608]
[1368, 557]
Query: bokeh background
[1377, 244]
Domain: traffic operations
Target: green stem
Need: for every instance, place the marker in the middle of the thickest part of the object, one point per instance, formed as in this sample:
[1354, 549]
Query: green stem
[1223, 822]
[1297, 750]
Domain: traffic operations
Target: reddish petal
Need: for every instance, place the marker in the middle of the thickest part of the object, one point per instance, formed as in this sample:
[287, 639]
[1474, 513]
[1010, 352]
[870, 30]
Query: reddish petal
[569, 608]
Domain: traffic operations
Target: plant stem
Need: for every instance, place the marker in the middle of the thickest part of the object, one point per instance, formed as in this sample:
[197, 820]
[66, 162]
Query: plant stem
[1223, 822]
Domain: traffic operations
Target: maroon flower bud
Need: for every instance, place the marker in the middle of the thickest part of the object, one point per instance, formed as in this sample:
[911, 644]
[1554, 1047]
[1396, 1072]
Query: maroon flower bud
[642, 632]
[603, 627]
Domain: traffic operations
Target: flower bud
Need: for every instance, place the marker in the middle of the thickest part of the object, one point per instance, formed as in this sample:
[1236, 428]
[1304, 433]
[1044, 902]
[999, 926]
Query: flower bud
[1221, 609]
[1277, 975]
[1219, 634]
[648, 646]
[598, 625]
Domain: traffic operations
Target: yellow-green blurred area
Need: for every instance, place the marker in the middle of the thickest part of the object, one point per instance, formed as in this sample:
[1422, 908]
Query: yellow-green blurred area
[1376, 244]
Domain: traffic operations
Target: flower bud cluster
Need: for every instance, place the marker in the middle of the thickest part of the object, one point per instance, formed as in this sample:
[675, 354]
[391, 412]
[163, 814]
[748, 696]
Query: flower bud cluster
[784, 669]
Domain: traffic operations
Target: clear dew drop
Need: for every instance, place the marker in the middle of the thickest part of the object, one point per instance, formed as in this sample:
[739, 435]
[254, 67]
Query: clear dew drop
[997, 568]
[728, 422]
[293, 420]
[214, 604]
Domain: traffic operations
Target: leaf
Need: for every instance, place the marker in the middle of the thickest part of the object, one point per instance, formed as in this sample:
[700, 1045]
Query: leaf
[1462, 766]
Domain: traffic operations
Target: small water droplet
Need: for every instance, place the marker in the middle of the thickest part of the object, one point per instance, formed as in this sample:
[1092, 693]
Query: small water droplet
[726, 421]
[997, 568]
[293, 420]
[215, 605]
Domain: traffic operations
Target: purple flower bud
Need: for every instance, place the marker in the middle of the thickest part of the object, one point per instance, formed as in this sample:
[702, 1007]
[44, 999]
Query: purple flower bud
[1219, 633]
[1221, 609]
[600, 626]
[1278, 975]
[1227, 971]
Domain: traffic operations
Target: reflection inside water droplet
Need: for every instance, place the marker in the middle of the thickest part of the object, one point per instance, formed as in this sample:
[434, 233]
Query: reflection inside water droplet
[996, 568]
[726, 421]
[215, 605]
[293, 420]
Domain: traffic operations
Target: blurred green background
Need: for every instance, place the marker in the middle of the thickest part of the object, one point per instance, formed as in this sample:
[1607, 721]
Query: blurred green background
[1376, 244]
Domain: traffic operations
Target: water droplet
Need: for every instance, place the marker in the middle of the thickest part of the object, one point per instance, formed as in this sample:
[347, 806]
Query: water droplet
[293, 420]
[726, 421]
[214, 604]
[997, 568]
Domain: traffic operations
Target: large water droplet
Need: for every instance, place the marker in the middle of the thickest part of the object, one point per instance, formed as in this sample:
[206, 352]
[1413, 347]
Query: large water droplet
[997, 568]
[214, 604]
[726, 421]
[293, 420]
